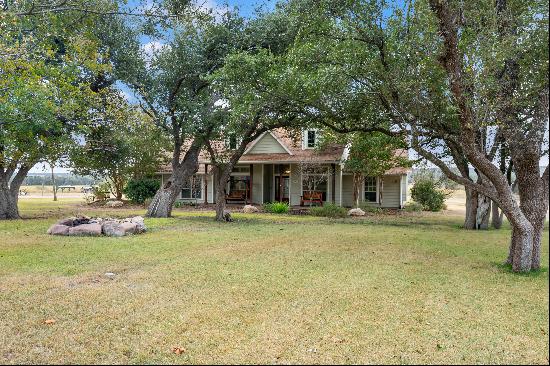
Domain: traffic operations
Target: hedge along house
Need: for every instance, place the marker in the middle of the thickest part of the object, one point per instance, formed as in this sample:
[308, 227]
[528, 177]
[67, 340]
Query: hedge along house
[275, 167]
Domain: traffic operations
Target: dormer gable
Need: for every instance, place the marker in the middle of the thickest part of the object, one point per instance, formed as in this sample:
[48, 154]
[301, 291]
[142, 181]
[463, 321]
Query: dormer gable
[268, 143]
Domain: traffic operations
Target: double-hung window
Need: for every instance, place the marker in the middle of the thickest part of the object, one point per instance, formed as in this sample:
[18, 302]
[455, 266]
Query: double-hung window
[311, 139]
[371, 189]
[192, 188]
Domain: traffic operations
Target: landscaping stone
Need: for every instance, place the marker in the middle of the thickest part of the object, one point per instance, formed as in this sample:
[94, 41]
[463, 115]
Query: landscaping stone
[250, 209]
[85, 230]
[67, 221]
[114, 203]
[129, 228]
[227, 215]
[356, 212]
[87, 226]
[57, 229]
[112, 228]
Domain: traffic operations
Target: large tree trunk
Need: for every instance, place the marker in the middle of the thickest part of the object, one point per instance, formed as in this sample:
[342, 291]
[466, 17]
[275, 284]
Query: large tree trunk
[483, 212]
[533, 193]
[163, 201]
[496, 216]
[221, 214]
[471, 209]
[521, 247]
[8, 203]
[9, 191]
[478, 210]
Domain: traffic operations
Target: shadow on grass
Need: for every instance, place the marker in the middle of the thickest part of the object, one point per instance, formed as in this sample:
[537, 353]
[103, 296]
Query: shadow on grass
[507, 268]
[277, 219]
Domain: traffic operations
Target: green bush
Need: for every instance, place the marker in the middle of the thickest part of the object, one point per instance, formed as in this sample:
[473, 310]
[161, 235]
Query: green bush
[371, 208]
[428, 193]
[412, 206]
[276, 207]
[329, 210]
[138, 190]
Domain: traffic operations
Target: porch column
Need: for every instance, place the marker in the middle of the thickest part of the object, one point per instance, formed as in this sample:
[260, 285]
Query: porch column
[251, 182]
[280, 182]
[333, 173]
[340, 180]
[205, 183]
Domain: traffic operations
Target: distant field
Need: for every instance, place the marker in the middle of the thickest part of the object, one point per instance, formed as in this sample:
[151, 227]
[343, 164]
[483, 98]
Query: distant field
[412, 288]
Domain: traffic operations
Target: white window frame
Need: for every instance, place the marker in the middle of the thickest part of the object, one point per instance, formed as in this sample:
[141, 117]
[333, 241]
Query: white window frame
[305, 138]
[377, 191]
[200, 198]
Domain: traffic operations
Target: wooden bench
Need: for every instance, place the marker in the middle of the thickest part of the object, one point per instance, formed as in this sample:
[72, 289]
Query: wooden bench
[63, 188]
[312, 197]
[236, 196]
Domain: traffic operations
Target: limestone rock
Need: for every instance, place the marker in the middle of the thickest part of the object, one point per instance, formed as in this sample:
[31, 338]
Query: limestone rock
[356, 212]
[57, 229]
[129, 228]
[114, 203]
[112, 228]
[67, 222]
[250, 209]
[85, 230]
[140, 223]
[227, 216]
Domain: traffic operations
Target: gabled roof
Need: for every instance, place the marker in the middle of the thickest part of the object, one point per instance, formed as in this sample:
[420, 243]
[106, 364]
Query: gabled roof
[255, 143]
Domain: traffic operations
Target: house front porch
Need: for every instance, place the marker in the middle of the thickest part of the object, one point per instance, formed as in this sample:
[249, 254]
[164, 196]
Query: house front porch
[296, 184]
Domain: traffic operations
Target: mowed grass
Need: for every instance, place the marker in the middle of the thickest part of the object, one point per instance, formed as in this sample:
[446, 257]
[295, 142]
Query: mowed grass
[267, 289]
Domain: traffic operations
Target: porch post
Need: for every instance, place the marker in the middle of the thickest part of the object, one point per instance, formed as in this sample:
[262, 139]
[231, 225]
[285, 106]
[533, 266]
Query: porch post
[340, 182]
[206, 183]
[333, 173]
[280, 182]
[251, 182]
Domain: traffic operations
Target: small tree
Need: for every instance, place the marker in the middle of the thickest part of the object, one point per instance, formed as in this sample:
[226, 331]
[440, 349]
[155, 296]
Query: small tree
[122, 143]
[313, 174]
[372, 155]
[429, 194]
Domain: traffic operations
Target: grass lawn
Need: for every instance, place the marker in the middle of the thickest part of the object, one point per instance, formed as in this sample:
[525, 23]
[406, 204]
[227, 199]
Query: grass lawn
[267, 289]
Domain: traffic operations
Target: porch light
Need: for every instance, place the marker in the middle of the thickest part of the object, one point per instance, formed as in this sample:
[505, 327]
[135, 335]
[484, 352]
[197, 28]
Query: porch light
[287, 171]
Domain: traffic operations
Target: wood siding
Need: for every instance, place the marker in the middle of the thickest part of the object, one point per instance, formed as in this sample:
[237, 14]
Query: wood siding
[267, 145]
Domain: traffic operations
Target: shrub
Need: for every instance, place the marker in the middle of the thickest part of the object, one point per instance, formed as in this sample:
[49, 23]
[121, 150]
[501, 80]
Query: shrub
[276, 207]
[329, 210]
[371, 208]
[412, 206]
[428, 193]
[138, 190]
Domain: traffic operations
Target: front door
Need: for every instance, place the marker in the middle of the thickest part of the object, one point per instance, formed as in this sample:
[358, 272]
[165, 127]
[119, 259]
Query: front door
[282, 185]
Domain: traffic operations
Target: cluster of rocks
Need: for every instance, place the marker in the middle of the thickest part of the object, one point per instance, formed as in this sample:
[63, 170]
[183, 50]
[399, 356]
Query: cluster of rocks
[86, 226]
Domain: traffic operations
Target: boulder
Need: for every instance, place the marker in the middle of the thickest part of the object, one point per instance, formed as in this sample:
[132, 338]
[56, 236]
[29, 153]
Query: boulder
[114, 203]
[250, 209]
[57, 229]
[112, 228]
[85, 230]
[356, 212]
[129, 228]
[227, 216]
[140, 223]
[67, 222]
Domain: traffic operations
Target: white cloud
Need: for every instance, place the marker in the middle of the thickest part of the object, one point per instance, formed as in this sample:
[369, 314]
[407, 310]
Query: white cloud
[212, 7]
[151, 48]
